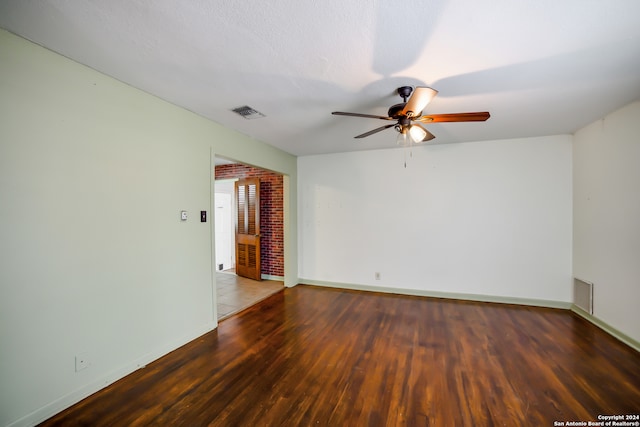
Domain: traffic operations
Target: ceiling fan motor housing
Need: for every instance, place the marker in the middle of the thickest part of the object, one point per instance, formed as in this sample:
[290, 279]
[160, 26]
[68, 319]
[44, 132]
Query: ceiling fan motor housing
[396, 111]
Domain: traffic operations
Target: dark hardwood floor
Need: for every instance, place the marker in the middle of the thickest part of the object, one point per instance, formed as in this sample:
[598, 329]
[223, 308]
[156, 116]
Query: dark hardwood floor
[310, 356]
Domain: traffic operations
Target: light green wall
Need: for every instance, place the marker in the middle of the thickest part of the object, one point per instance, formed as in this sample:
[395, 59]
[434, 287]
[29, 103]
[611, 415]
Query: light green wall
[95, 260]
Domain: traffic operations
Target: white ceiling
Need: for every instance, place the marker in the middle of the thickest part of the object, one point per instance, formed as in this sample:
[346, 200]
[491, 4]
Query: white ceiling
[540, 67]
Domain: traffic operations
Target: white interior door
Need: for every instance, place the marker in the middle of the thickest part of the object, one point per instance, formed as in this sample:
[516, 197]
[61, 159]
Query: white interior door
[223, 236]
[224, 225]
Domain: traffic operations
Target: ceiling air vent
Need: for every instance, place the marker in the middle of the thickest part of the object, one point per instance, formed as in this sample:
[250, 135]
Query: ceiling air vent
[248, 112]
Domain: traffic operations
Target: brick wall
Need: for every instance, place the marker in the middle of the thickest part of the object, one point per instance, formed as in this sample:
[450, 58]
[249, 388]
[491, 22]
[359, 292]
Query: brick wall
[271, 214]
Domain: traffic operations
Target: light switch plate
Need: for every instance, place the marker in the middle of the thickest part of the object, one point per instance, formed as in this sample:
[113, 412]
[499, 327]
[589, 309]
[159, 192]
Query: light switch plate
[183, 215]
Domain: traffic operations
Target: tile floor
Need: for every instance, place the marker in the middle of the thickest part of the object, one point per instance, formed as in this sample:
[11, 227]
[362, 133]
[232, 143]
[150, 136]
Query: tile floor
[237, 293]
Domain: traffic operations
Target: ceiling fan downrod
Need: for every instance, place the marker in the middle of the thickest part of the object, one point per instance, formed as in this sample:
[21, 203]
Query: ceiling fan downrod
[405, 92]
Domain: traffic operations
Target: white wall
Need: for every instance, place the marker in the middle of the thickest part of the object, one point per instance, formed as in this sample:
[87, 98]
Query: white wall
[488, 218]
[606, 219]
[94, 258]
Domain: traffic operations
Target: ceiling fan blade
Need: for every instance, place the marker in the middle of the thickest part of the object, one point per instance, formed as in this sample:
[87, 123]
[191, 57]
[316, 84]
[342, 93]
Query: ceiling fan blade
[418, 100]
[370, 116]
[429, 136]
[454, 117]
[371, 132]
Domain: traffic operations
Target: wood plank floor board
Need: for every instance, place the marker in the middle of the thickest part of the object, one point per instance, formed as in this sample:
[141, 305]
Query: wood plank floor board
[311, 356]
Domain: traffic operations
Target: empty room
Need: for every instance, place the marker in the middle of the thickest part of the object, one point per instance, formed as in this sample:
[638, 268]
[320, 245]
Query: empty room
[457, 220]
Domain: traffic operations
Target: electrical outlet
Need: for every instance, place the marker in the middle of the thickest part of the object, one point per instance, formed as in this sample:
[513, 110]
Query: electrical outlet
[377, 275]
[82, 362]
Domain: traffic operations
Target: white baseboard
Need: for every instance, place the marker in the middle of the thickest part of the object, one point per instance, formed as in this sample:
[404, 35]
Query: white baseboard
[59, 405]
[446, 295]
[607, 328]
[270, 277]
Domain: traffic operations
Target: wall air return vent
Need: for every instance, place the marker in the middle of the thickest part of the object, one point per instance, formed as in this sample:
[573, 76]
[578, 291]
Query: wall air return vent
[248, 112]
[583, 294]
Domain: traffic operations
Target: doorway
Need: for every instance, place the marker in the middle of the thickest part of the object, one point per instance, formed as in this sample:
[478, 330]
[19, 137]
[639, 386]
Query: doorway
[236, 293]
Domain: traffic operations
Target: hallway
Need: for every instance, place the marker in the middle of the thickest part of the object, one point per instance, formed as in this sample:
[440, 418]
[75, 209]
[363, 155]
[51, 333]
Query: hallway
[237, 293]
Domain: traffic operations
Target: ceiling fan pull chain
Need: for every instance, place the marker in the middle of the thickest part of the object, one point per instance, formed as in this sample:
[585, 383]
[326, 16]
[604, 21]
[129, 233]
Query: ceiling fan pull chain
[405, 156]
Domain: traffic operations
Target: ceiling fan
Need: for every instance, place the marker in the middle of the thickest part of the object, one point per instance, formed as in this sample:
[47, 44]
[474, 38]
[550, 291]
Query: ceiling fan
[408, 116]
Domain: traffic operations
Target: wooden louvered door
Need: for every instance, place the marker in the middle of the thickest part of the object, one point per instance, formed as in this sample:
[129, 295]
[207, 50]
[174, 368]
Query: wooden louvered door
[248, 228]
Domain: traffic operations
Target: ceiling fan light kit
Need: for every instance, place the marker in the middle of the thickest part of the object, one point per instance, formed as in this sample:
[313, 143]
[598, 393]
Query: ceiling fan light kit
[417, 133]
[409, 111]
